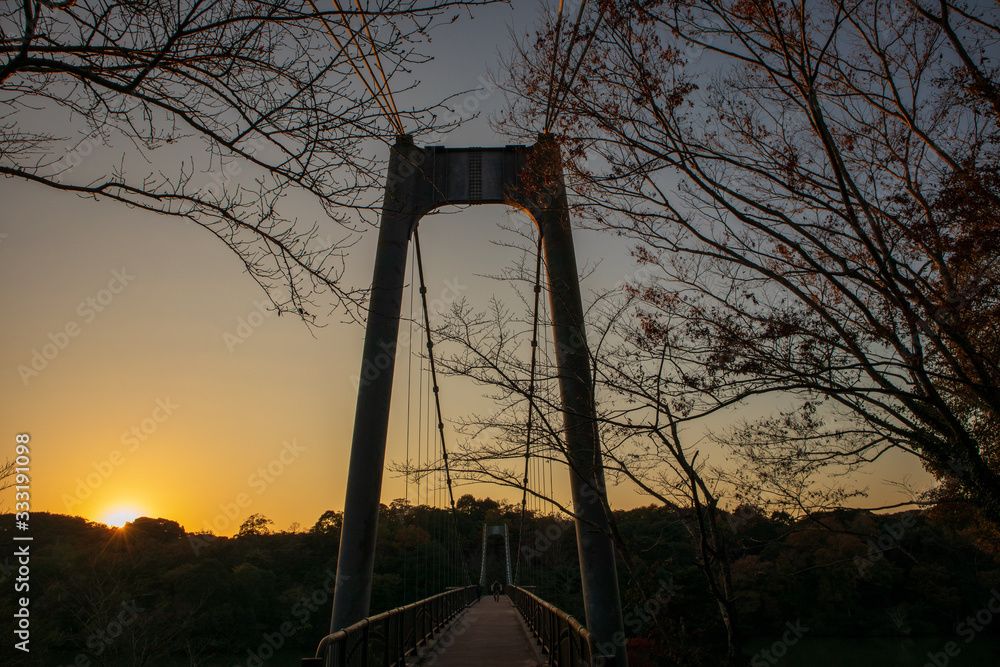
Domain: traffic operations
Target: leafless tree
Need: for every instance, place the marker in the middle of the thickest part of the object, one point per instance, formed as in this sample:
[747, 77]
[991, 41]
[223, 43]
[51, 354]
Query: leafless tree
[818, 188]
[639, 423]
[6, 478]
[216, 112]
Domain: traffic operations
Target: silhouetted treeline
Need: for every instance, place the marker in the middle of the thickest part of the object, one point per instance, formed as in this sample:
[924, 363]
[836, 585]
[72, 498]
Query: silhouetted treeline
[840, 574]
[151, 594]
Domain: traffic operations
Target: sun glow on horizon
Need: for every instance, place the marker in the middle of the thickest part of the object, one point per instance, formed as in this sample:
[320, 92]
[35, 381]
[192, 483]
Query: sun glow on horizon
[119, 515]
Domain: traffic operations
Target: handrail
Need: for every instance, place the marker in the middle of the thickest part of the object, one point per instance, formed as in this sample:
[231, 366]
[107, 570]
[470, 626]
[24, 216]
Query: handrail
[563, 638]
[387, 639]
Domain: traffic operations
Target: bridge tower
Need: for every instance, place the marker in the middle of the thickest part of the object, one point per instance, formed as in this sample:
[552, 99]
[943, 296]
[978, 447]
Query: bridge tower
[489, 531]
[531, 179]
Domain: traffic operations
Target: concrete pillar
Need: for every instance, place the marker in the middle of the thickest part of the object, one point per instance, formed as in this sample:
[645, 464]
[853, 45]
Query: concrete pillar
[599, 576]
[356, 561]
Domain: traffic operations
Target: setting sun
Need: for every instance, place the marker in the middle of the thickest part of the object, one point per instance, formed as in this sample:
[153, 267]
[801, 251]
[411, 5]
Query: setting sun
[120, 515]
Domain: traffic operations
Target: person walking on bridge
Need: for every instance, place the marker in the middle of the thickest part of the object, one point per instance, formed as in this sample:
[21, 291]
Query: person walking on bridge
[497, 590]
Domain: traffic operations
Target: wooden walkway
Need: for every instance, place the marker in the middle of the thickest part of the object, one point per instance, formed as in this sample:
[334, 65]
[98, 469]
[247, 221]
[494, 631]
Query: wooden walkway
[488, 634]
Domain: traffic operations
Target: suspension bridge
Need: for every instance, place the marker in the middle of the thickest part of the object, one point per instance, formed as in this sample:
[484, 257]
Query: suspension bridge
[460, 625]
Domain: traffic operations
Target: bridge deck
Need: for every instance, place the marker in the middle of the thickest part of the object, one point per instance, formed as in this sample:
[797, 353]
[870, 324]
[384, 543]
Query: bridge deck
[489, 633]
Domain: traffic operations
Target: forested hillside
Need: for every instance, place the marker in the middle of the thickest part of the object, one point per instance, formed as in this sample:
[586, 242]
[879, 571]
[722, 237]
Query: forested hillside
[150, 593]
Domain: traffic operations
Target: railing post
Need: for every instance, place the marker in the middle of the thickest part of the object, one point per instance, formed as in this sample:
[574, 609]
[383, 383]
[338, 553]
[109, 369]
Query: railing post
[569, 643]
[555, 639]
[423, 621]
[386, 639]
[365, 634]
[400, 638]
[411, 629]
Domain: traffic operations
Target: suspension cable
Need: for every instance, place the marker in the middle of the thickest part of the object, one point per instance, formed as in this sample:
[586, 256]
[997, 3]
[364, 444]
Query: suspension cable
[552, 72]
[551, 117]
[436, 390]
[409, 412]
[378, 63]
[430, 356]
[567, 87]
[531, 402]
[564, 84]
[386, 92]
[396, 123]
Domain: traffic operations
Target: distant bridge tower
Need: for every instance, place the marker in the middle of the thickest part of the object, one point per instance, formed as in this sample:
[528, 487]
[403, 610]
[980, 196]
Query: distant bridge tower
[489, 531]
[418, 181]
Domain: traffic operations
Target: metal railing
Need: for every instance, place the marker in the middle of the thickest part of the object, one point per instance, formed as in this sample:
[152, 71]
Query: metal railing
[385, 640]
[567, 643]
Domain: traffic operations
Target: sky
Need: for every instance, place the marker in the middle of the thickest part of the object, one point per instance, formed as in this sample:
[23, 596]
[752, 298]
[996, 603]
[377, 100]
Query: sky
[160, 383]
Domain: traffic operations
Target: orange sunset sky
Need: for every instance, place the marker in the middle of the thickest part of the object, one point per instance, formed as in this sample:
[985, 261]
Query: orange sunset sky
[165, 387]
